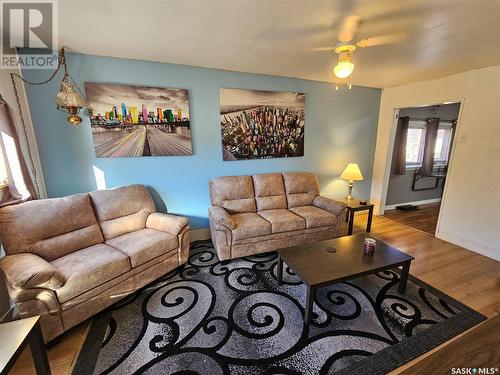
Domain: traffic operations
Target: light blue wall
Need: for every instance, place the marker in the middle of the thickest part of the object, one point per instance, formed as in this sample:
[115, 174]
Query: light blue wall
[340, 127]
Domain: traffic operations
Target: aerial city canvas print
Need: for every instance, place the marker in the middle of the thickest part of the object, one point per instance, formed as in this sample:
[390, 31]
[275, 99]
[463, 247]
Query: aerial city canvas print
[261, 124]
[134, 121]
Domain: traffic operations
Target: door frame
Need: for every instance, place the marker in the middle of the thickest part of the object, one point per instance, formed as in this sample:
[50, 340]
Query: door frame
[390, 151]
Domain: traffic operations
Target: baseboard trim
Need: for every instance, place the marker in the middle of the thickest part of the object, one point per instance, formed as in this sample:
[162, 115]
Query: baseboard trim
[486, 249]
[199, 234]
[416, 203]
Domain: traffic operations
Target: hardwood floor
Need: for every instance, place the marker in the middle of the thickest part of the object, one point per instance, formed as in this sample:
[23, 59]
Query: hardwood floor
[424, 219]
[61, 355]
[469, 277]
[475, 348]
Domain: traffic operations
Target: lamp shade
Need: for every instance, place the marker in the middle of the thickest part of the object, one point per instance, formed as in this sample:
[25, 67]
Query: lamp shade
[70, 100]
[68, 96]
[352, 173]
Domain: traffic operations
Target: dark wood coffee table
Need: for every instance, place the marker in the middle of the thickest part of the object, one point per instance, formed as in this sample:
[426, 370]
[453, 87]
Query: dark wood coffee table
[329, 262]
[15, 336]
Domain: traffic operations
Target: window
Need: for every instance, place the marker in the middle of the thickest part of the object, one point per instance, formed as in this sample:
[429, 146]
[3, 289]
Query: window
[415, 142]
[11, 173]
[442, 148]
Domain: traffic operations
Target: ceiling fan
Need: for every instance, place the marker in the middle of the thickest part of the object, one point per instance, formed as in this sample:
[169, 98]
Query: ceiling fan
[346, 45]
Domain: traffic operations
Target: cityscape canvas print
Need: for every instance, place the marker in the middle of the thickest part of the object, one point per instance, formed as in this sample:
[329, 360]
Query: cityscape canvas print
[134, 121]
[261, 124]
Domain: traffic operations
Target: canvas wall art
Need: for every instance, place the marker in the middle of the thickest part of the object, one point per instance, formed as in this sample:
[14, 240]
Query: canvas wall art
[261, 124]
[134, 121]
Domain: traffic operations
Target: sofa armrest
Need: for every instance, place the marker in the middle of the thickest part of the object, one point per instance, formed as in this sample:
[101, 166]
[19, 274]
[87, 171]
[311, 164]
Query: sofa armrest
[336, 208]
[221, 217]
[26, 270]
[172, 224]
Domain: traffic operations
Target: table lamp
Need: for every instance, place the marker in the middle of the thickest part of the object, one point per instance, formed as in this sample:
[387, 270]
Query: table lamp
[351, 173]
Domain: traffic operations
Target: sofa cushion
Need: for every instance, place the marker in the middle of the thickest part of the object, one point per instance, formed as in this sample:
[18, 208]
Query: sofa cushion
[122, 210]
[144, 244]
[87, 268]
[249, 225]
[283, 220]
[301, 188]
[233, 193]
[269, 191]
[49, 228]
[314, 216]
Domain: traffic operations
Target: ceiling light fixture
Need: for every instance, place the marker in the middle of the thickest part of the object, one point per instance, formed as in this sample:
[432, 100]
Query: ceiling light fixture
[345, 66]
[343, 69]
[69, 97]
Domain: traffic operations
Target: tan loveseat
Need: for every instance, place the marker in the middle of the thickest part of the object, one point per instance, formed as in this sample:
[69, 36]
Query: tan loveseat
[69, 258]
[265, 212]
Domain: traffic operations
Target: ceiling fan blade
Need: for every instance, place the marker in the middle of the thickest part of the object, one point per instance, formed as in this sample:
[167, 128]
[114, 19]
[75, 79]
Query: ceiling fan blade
[382, 39]
[349, 28]
[323, 49]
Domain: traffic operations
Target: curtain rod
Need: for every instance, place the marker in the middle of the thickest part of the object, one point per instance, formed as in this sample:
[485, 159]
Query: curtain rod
[425, 119]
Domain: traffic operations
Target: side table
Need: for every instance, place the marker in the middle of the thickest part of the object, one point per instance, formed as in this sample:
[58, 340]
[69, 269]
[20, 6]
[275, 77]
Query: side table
[14, 336]
[353, 206]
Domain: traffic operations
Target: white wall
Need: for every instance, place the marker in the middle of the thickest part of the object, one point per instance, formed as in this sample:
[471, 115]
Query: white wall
[470, 210]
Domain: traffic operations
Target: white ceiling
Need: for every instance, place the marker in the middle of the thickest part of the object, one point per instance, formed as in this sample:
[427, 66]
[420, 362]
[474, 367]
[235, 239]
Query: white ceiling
[278, 36]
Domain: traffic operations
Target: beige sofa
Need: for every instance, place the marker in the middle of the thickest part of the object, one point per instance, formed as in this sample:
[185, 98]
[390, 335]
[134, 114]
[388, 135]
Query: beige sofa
[69, 258]
[265, 212]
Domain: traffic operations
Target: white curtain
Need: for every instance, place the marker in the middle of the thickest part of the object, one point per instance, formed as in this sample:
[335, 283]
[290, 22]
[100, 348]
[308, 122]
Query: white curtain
[20, 185]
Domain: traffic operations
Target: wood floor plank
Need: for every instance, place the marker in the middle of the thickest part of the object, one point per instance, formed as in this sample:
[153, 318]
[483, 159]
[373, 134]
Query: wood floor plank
[471, 278]
[424, 219]
[476, 348]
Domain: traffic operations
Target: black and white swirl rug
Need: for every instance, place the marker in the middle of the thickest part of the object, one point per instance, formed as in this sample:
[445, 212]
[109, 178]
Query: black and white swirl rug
[231, 317]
